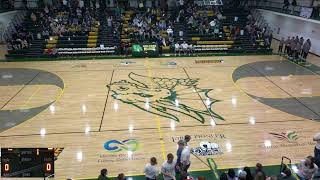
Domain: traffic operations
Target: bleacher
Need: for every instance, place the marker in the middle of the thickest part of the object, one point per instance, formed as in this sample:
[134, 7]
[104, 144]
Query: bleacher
[99, 39]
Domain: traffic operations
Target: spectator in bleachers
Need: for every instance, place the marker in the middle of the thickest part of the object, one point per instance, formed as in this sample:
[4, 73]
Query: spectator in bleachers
[170, 31]
[285, 5]
[151, 171]
[33, 17]
[307, 168]
[103, 174]
[294, 5]
[316, 138]
[168, 168]
[248, 171]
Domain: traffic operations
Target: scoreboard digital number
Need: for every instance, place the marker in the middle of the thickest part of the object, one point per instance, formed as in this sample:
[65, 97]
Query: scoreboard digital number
[27, 162]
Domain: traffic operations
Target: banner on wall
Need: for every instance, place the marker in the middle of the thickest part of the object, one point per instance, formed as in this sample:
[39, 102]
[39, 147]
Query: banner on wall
[145, 50]
[306, 12]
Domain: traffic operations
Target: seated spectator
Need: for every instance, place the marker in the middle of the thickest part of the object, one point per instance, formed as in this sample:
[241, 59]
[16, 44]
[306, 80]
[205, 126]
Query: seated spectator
[177, 48]
[103, 175]
[190, 49]
[184, 47]
[307, 168]
[151, 171]
[33, 17]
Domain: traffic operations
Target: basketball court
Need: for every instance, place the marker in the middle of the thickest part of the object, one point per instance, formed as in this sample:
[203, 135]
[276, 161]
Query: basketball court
[116, 114]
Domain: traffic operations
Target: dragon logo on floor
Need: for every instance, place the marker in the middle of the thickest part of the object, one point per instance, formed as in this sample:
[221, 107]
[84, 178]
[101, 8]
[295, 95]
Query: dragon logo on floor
[166, 97]
[290, 136]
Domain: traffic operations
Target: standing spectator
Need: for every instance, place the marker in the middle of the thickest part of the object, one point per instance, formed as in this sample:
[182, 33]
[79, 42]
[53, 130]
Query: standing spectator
[281, 45]
[242, 175]
[103, 174]
[121, 176]
[168, 168]
[301, 41]
[298, 50]
[248, 171]
[259, 171]
[151, 171]
[317, 149]
[307, 168]
[285, 6]
[187, 138]
[287, 45]
[306, 48]
[185, 160]
[223, 176]
[181, 144]
[232, 175]
[270, 38]
[292, 47]
[260, 176]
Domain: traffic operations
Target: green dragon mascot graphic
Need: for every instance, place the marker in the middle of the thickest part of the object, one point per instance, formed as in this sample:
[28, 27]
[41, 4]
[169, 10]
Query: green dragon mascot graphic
[160, 96]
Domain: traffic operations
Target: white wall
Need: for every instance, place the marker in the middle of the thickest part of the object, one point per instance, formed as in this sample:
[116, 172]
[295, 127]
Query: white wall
[286, 25]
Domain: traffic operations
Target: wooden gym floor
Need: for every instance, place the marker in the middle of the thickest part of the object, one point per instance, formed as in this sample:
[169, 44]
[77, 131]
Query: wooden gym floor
[116, 115]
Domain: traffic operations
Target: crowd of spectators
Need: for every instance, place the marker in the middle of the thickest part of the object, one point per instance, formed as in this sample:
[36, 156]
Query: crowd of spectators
[257, 33]
[21, 38]
[295, 47]
[66, 18]
[306, 169]
[147, 26]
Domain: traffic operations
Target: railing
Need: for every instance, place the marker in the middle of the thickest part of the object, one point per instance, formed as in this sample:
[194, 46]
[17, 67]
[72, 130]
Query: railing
[279, 7]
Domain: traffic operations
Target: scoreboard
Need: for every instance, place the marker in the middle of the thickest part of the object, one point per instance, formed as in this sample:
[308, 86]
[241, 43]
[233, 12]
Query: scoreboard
[27, 162]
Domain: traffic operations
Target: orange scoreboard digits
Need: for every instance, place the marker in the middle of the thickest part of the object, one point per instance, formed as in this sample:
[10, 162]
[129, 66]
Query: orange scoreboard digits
[27, 162]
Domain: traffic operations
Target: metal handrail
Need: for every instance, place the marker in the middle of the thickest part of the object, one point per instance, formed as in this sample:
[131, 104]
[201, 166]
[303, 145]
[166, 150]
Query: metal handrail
[282, 164]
